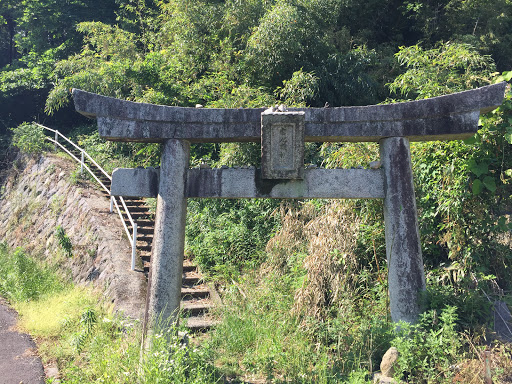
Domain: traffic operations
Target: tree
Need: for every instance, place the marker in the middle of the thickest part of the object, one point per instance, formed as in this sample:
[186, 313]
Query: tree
[51, 24]
[9, 10]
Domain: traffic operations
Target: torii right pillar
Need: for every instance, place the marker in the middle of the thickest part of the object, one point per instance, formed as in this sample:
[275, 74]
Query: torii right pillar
[406, 277]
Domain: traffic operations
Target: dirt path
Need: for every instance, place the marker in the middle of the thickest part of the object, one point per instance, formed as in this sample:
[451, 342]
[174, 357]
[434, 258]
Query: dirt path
[19, 362]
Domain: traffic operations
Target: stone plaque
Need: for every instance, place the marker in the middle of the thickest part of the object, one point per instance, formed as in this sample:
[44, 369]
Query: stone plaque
[282, 145]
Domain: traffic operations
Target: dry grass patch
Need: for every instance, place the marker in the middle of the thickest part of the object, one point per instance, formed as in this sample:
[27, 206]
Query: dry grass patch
[325, 238]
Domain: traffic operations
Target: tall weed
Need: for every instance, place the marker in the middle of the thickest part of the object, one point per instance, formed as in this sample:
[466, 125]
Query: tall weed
[259, 335]
[428, 349]
[22, 278]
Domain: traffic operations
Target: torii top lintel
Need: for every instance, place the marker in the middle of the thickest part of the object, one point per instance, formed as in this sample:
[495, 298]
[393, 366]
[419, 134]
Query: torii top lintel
[449, 117]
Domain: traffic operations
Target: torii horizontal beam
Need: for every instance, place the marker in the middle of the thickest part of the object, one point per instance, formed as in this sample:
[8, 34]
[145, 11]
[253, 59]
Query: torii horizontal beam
[449, 117]
[240, 183]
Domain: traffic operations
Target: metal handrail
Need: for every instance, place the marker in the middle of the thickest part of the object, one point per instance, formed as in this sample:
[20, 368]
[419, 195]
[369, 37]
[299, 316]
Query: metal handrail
[113, 201]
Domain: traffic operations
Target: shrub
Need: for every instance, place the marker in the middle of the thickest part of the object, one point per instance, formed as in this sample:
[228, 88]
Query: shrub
[22, 278]
[29, 138]
[226, 235]
[427, 349]
[64, 241]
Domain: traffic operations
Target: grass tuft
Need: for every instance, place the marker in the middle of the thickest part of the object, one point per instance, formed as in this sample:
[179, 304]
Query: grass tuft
[54, 314]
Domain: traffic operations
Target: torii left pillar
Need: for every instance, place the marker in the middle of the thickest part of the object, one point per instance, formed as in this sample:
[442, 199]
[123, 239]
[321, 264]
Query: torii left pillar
[169, 238]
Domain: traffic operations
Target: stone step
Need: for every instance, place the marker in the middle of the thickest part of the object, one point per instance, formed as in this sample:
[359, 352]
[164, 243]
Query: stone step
[144, 239]
[134, 202]
[141, 215]
[144, 229]
[138, 209]
[144, 248]
[189, 268]
[195, 308]
[195, 293]
[150, 223]
[190, 278]
[200, 323]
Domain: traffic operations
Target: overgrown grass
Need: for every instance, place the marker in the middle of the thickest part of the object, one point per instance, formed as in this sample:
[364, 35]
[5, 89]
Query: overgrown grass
[262, 334]
[227, 236]
[87, 341]
[25, 279]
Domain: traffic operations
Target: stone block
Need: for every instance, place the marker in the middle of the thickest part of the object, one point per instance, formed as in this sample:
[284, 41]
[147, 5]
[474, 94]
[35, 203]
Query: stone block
[135, 182]
[282, 145]
[387, 365]
[238, 183]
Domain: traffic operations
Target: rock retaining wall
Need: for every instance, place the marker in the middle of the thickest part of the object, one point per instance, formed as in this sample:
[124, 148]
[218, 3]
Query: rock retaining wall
[42, 193]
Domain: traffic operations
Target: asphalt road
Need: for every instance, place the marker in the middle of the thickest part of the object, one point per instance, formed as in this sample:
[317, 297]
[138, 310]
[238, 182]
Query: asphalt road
[19, 362]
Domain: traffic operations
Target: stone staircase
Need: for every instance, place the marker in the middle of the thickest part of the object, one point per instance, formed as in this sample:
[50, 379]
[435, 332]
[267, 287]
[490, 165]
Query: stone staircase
[197, 298]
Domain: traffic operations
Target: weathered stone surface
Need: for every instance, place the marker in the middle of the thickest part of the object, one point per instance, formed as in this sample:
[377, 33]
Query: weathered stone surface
[320, 183]
[387, 365]
[135, 182]
[406, 277]
[447, 117]
[380, 379]
[282, 145]
[169, 237]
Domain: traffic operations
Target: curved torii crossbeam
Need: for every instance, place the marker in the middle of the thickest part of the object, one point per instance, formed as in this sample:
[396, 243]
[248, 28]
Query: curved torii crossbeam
[282, 136]
[449, 117]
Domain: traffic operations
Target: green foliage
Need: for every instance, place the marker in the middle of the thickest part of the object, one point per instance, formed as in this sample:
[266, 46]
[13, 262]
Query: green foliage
[463, 191]
[64, 241]
[299, 90]
[88, 320]
[48, 24]
[261, 329]
[87, 342]
[451, 67]
[427, 349]
[34, 75]
[29, 138]
[104, 66]
[227, 235]
[348, 78]
[169, 360]
[446, 287]
[462, 188]
[268, 339]
[111, 155]
[23, 279]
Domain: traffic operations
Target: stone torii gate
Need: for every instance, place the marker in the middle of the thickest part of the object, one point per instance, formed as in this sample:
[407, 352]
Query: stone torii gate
[282, 136]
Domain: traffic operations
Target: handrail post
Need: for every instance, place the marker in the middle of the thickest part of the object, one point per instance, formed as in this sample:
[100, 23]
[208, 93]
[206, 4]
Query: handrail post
[111, 204]
[82, 162]
[56, 139]
[134, 245]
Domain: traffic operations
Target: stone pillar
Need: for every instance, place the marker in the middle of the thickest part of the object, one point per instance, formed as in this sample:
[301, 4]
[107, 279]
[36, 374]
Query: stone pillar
[406, 277]
[169, 238]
